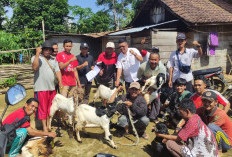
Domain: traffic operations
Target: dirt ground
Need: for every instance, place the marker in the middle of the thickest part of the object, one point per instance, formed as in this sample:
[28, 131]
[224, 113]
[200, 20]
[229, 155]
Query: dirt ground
[94, 143]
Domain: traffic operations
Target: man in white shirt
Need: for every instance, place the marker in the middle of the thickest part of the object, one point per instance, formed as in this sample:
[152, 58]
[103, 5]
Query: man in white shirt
[180, 61]
[128, 62]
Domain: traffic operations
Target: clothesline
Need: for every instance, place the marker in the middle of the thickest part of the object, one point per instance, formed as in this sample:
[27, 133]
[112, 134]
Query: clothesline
[13, 51]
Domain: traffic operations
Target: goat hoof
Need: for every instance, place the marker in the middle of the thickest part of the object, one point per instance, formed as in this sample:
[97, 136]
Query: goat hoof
[115, 147]
[79, 141]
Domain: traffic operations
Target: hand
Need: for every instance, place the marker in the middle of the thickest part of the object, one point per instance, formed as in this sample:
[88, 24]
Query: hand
[38, 51]
[72, 59]
[117, 83]
[51, 134]
[195, 43]
[61, 84]
[164, 140]
[120, 88]
[79, 85]
[85, 64]
[101, 72]
[170, 84]
[132, 52]
[143, 40]
[128, 103]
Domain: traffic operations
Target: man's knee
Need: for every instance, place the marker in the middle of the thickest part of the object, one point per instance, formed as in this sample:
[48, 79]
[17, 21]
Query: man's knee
[123, 121]
[21, 133]
[145, 120]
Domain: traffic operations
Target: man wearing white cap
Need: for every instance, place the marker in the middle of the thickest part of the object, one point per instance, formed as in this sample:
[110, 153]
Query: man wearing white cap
[107, 61]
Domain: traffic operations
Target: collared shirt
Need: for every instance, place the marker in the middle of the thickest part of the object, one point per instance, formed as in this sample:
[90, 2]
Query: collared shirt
[44, 76]
[198, 137]
[219, 118]
[146, 72]
[185, 58]
[15, 117]
[129, 65]
[109, 66]
[82, 72]
[68, 76]
[198, 102]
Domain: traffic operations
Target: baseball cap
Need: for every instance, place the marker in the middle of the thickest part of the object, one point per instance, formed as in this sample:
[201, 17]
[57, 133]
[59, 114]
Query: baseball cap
[110, 44]
[155, 48]
[84, 45]
[135, 85]
[209, 95]
[46, 44]
[181, 36]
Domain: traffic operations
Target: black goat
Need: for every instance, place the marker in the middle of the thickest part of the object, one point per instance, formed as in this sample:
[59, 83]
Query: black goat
[158, 147]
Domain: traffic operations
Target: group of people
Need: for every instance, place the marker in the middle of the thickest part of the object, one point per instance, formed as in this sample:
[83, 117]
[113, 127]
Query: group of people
[204, 123]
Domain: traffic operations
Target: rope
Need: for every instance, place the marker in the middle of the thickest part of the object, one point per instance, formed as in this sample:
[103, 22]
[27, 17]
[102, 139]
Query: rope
[13, 51]
[133, 128]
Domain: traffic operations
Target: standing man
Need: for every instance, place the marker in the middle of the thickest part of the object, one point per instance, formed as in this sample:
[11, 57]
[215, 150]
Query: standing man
[128, 63]
[53, 55]
[30, 107]
[45, 69]
[217, 120]
[107, 60]
[200, 88]
[68, 63]
[180, 61]
[86, 63]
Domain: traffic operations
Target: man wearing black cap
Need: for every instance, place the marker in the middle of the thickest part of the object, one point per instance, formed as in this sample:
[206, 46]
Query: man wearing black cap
[216, 119]
[86, 63]
[180, 61]
[44, 68]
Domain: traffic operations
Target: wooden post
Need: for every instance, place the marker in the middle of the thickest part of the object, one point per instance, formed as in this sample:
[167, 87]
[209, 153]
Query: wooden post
[43, 30]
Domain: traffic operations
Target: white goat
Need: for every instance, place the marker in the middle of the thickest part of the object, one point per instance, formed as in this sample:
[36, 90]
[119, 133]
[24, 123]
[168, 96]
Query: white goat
[104, 93]
[67, 105]
[87, 114]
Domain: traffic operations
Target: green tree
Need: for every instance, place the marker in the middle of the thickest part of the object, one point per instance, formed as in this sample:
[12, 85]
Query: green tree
[30, 13]
[3, 11]
[88, 22]
[121, 10]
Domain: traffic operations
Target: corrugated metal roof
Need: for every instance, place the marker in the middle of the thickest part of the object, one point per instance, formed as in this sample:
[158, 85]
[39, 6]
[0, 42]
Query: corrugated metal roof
[139, 29]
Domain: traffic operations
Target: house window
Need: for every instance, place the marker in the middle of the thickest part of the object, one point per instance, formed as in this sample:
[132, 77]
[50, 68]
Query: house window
[157, 14]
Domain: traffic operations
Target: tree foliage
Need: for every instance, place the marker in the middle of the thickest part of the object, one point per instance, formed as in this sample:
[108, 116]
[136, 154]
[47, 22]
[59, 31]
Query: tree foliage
[122, 14]
[30, 13]
[88, 22]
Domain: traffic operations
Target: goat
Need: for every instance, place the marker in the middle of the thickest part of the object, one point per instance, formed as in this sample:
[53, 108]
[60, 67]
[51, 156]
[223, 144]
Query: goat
[104, 93]
[37, 147]
[158, 147]
[84, 114]
[154, 82]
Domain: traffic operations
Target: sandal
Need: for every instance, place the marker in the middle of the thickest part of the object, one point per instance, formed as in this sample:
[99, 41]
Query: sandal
[145, 136]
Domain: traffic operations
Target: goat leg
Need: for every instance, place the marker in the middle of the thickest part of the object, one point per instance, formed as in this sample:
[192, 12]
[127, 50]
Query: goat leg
[109, 137]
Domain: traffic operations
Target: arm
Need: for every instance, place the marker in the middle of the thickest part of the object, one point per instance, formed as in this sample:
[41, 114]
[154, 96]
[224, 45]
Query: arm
[227, 107]
[77, 78]
[119, 73]
[82, 65]
[169, 137]
[59, 77]
[112, 98]
[195, 43]
[65, 65]
[35, 64]
[140, 73]
[34, 132]
[170, 76]
[138, 57]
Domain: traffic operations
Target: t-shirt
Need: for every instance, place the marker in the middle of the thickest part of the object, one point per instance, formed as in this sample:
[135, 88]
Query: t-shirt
[82, 72]
[15, 117]
[68, 76]
[109, 66]
[219, 118]
[185, 58]
[198, 102]
[198, 137]
[44, 76]
[145, 54]
[146, 72]
[129, 65]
